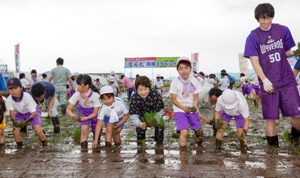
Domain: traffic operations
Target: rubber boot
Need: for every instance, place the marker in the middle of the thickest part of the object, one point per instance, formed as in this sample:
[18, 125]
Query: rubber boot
[159, 134]
[215, 130]
[107, 144]
[55, 122]
[244, 147]
[84, 146]
[295, 136]
[273, 141]
[198, 136]
[24, 130]
[140, 134]
[63, 109]
[1, 145]
[218, 144]
[19, 144]
[45, 143]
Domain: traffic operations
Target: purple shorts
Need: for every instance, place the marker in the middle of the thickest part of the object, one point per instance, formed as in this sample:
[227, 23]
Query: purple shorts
[86, 112]
[246, 89]
[35, 121]
[239, 120]
[256, 88]
[106, 120]
[183, 120]
[288, 101]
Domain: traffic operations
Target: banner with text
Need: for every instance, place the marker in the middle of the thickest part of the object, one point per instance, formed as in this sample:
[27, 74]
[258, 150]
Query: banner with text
[17, 59]
[194, 60]
[150, 62]
[243, 63]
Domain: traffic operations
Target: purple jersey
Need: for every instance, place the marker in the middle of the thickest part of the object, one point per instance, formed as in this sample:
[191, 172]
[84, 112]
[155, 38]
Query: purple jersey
[270, 47]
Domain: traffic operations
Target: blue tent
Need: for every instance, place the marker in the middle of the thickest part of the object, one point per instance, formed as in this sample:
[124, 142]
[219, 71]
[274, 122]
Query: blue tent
[3, 75]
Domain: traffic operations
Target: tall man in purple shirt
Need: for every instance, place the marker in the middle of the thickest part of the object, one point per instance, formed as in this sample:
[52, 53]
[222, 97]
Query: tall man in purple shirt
[268, 47]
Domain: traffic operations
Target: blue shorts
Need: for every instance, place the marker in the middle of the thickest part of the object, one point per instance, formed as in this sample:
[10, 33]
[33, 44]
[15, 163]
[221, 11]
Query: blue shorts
[106, 120]
[288, 101]
[297, 65]
[183, 120]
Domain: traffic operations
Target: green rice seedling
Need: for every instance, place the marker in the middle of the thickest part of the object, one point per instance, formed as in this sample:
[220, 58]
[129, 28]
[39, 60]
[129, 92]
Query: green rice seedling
[130, 136]
[77, 133]
[143, 142]
[286, 135]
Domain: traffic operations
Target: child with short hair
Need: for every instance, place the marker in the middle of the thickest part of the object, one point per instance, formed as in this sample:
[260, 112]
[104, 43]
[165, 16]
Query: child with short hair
[22, 107]
[88, 106]
[184, 92]
[114, 113]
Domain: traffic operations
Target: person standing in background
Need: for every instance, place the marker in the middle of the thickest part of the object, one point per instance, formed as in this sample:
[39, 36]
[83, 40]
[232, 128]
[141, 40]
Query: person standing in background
[33, 78]
[127, 84]
[60, 76]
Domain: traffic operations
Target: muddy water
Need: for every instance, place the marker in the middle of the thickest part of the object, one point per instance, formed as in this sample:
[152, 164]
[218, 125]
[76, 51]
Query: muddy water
[63, 158]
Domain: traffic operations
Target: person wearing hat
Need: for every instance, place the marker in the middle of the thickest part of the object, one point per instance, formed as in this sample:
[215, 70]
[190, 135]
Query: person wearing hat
[112, 82]
[87, 97]
[60, 76]
[268, 46]
[184, 91]
[146, 99]
[232, 104]
[114, 113]
[22, 108]
[117, 80]
[158, 84]
[43, 93]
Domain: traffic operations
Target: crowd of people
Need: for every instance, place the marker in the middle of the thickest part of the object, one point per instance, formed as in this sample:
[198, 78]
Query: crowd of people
[194, 96]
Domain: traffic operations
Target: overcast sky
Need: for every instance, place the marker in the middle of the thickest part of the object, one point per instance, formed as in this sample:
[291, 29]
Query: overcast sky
[96, 35]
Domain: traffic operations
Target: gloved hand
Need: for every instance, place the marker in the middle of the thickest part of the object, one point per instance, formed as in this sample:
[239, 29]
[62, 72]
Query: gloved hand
[268, 86]
[142, 125]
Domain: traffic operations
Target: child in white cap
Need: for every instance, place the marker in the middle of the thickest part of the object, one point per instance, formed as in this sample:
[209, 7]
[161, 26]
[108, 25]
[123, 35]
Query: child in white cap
[114, 113]
[112, 82]
[232, 104]
[158, 84]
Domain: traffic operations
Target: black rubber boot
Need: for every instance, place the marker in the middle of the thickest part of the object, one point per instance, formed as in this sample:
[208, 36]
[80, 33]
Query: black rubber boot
[19, 144]
[273, 141]
[198, 136]
[159, 134]
[55, 122]
[63, 108]
[45, 143]
[140, 134]
[295, 136]
[84, 146]
[218, 144]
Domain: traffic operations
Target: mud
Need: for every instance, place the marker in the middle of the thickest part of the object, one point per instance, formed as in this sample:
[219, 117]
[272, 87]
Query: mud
[63, 158]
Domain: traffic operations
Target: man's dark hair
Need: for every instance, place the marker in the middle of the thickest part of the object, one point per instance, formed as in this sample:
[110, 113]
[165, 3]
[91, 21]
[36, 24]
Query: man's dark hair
[122, 76]
[33, 71]
[264, 10]
[37, 89]
[214, 92]
[201, 73]
[242, 75]
[44, 75]
[60, 61]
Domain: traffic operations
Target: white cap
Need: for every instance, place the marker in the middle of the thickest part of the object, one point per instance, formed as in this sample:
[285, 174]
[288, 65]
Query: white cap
[158, 75]
[111, 78]
[75, 74]
[196, 75]
[183, 59]
[112, 73]
[229, 99]
[106, 89]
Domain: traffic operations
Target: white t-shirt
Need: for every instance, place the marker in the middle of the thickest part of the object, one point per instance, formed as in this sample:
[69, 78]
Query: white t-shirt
[119, 106]
[224, 83]
[26, 105]
[177, 89]
[209, 82]
[94, 100]
[203, 99]
[242, 107]
[201, 81]
[158, 85]
[243, 79]
[254, 80]
[24, 82]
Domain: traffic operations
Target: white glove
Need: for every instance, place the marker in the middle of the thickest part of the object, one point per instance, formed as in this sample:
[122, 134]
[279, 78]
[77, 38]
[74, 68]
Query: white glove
[142, 125]
[268, 86]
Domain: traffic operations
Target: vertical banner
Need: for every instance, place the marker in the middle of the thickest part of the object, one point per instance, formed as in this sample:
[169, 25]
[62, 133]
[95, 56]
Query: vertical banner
[243, 63]
[194, 60]
[17, 59]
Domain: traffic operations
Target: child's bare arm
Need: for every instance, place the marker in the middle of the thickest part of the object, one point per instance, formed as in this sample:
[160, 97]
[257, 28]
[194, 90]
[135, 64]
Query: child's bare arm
[176, 103]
